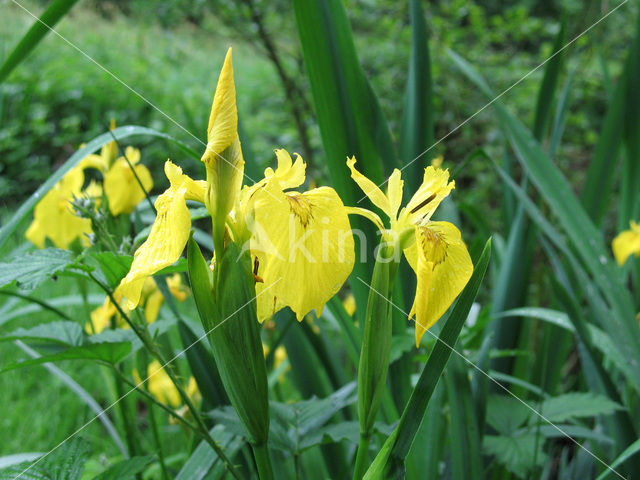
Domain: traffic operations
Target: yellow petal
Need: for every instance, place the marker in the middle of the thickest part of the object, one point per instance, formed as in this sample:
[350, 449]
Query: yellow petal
[101, 317]
[435, 188]
[53, 217]
[304, 247]
[288, 174]
[195, 189]
[223, 119]
[152, 306]
[94, 161]
[174, 282]
[161, 386]
[626, 243]
[443, 267]
[368, 214]
[122, 188]
[164, 246]
[394, 192]
[369, 188]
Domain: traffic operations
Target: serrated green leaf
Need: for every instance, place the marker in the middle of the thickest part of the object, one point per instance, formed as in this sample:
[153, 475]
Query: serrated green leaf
[576, 405]
[62, 332]
[516, 453]
[113, 267]
[30, 270]
[66, 462]
[506, 414]
[102, 352]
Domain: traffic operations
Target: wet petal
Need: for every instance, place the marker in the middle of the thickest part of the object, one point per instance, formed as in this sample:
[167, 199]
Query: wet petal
[443, 267]
[164, 246]
[304, 247]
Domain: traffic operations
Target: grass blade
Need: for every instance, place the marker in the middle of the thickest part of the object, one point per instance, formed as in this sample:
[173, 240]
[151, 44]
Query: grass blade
[416, 133]
[51, 16]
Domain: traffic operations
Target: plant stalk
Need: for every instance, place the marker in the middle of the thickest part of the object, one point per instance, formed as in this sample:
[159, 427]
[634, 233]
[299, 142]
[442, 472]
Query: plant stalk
[362, 457]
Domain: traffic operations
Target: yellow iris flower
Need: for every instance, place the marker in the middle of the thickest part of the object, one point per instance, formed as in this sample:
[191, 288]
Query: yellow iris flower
[627, 243]
[162, 388]
[301, 242]
[435, 250]
[151, 299]
[53, 216]
[120, 184]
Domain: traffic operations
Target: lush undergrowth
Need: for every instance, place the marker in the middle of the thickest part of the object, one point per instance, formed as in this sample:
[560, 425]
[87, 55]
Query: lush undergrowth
[537, 371]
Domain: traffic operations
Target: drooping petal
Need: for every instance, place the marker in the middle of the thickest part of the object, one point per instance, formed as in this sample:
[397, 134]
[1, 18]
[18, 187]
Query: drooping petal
[160, 385]
[435, 188]
[369, 188]
[121, 186]
[304, 248]
[164, 246]
[626, 243]
[443, 267]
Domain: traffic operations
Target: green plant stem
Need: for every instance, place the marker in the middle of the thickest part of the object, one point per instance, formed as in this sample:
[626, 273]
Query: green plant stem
[123, 406]
[263, 461]
[157, 440]
[362, 457]
[143, 334]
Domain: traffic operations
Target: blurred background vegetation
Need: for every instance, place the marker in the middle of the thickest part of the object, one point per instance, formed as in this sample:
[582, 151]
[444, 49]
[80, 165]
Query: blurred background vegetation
[58, 99]
[169, 52]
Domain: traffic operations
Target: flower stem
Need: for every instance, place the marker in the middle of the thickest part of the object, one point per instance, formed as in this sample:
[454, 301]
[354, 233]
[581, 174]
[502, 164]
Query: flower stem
[157, 440]
[263, 461]
[362, 457]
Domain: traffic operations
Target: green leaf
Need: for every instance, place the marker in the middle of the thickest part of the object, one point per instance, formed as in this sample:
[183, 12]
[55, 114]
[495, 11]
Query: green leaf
[576, 405]
[463, 425]
[111, 352]
[61, 332]
[113, 267]
[31, 269]
[547, 91]
[71, 344]
[119, 133]
[204, 459]
[65, 462]
[506, 414]
[630, 451]
[390, 459]
[42, 26]
[516, 453]
[10, 460]
[125, 469]
[598, 183]
[416, 132]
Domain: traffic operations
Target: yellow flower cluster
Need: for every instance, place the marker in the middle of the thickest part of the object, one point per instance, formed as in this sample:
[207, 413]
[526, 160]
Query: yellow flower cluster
[53, 216]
